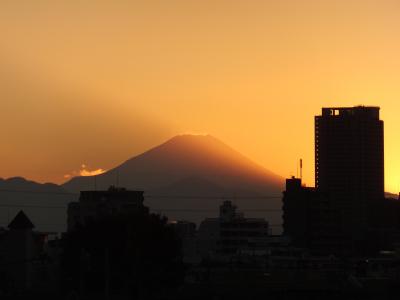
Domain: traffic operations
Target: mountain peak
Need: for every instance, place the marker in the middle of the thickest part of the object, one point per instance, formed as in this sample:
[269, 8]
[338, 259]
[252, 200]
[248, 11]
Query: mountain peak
[189, 166]
[180, 157]
[193, 139]
[199, 145]
[191, 136]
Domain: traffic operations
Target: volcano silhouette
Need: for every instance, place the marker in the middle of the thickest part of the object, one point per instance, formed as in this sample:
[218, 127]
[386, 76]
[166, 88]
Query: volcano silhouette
[192, 172]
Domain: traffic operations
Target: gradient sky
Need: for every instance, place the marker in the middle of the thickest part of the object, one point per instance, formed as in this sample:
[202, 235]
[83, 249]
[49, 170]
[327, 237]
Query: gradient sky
[85, 85]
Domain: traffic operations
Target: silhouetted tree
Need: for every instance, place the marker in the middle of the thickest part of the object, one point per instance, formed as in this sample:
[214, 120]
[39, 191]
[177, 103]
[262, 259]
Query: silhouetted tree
[138, 255]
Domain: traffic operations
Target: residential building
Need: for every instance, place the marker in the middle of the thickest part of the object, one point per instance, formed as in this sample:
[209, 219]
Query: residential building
[97, 204]
[231, 233]
[309, 220]
[346, 213]
[22, 258]
[349, 166]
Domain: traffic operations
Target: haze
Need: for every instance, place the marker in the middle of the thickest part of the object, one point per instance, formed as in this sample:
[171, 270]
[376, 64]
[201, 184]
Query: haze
[96, 82]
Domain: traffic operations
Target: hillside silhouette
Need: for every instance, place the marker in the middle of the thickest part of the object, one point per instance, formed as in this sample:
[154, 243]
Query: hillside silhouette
[45, 204]
[193, 166]
[184, 156]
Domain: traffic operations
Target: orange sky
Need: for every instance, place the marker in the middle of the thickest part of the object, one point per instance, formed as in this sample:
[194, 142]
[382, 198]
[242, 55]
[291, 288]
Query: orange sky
[95, 82]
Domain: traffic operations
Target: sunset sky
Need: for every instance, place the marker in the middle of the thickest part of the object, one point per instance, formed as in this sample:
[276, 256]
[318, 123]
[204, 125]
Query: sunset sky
[85, 85]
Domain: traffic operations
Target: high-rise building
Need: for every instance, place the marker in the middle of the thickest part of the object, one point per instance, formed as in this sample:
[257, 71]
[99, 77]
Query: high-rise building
[349, 152]
[349, 165]
[347, 210]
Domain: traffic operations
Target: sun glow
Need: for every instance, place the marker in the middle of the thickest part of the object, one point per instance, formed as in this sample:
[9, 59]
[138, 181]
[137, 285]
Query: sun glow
[130, 74]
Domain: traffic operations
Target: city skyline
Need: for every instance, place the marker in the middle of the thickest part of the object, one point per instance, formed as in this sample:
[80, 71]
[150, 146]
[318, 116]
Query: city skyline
[199, 149]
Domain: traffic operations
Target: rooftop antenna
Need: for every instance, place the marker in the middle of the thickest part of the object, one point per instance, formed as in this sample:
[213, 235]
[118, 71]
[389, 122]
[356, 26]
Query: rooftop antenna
[117, 178]
[301, 169]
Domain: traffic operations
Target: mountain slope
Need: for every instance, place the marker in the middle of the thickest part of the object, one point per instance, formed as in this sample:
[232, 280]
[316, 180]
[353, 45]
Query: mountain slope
[190, 173]
[184, 157]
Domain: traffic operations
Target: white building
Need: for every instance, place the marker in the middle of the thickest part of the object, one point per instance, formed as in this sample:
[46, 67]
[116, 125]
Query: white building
[231, 233]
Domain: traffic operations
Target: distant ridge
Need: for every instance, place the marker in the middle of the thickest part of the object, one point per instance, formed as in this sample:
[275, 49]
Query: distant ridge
[21, 183]
[44, 204]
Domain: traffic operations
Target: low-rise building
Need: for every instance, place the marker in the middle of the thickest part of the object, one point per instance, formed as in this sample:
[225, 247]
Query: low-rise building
[312, 222]
[231, 233]
[23, 262]
[97, 204]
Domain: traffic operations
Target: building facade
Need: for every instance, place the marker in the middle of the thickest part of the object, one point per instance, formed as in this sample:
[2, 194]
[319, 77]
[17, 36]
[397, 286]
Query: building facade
[23, 263]
[349, 166]
[349, 163]
[310, 221]
[97, 204]
[231, 233]
[346, 212]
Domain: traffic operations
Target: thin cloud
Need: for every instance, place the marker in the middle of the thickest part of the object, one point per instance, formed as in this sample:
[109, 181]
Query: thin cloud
[85, 171]
[91, 173]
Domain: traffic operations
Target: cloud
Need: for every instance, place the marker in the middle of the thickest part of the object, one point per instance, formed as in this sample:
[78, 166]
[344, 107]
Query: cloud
[91, 173]
[85, 171]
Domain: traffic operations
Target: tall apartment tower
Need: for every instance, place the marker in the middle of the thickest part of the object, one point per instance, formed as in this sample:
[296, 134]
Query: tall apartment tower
[349, 164]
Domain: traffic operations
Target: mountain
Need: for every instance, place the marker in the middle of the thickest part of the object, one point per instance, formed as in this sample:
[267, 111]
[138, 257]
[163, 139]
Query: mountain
[184, 156]
[44, 204]
[21, 184]
[192, 172]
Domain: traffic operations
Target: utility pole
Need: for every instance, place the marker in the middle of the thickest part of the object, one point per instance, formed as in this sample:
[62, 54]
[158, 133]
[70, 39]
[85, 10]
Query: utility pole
[301, 169]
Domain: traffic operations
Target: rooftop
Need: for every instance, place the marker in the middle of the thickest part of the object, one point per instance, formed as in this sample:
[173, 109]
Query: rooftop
[366, 111]
[21, 221]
